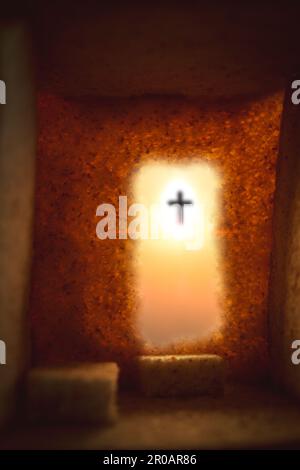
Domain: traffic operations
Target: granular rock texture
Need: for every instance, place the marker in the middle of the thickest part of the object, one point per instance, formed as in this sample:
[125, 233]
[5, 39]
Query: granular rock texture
[175, 376]
[83, 299]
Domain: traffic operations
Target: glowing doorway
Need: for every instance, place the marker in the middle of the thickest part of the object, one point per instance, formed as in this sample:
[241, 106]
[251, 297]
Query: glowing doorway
[178, 264]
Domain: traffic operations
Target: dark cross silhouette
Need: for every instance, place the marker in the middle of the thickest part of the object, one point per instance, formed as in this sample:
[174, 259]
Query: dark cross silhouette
[180, 202]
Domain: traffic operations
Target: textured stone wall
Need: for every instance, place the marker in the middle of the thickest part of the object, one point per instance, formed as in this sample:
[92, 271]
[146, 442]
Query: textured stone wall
[83, 303]
[284, 301]
[17, 161]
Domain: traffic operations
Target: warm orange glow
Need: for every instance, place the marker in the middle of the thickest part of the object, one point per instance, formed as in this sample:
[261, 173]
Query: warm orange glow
[83, 300]
[178, 273]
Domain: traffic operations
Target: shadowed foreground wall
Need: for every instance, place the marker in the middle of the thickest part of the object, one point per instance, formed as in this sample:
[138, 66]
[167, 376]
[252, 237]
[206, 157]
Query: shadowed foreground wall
[284, 296]
[83, 304]
[17, 165]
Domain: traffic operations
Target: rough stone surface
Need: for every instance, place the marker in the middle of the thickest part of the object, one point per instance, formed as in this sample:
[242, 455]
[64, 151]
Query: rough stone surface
[284, 298]
[17, 170]
[245, 417]
[89, 152]
[172, 376]
[77, 394]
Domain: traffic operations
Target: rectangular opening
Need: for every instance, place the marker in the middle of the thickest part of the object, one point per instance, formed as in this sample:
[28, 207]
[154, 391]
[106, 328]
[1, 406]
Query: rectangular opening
[178, 257]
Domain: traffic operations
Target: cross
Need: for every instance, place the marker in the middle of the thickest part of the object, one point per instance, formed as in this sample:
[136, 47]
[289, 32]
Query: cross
[180, 202]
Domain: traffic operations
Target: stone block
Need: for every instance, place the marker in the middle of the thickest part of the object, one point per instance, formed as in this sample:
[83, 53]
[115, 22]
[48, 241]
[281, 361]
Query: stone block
[173, 376]
[78, 394]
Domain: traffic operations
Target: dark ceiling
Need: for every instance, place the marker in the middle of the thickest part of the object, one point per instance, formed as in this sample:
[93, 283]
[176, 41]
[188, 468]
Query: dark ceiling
[207, 49]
